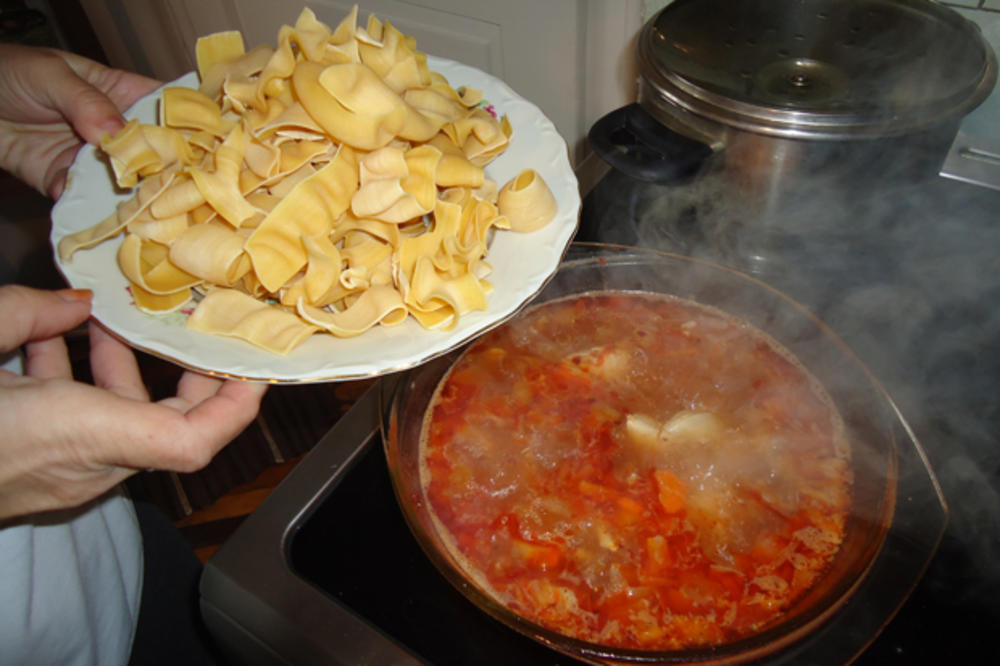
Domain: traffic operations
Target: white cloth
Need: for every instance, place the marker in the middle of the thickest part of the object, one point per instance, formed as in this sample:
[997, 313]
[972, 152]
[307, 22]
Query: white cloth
[70, 584]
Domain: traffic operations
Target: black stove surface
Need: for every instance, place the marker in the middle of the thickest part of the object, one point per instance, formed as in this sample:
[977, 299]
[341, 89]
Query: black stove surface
[384, 576]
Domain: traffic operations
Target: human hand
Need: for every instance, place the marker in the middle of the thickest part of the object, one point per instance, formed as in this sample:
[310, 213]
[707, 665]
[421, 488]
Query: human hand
[65, 442]
[50, 103]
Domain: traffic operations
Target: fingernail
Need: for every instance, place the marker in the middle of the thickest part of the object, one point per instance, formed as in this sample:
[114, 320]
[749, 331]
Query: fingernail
[58, 184]
[111, 127]
[76, 295]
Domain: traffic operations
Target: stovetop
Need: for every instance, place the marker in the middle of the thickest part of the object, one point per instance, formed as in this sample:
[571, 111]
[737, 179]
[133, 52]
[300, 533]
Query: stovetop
[387, 579]
[328, 559]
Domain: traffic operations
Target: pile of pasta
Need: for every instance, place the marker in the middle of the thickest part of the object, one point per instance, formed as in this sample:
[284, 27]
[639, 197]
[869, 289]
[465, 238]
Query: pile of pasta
[331, 183]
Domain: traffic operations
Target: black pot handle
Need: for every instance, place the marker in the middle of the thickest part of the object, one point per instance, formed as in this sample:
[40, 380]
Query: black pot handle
[638, 145]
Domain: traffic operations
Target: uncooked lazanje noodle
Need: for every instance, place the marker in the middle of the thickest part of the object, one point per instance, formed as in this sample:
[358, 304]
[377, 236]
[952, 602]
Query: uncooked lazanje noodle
[330, 183]
[527, 202]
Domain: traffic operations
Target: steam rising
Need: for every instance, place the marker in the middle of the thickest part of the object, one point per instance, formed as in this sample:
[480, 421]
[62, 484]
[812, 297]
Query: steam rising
[903, 265]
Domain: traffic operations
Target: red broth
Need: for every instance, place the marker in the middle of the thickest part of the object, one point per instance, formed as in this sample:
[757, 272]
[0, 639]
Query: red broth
[637, 471]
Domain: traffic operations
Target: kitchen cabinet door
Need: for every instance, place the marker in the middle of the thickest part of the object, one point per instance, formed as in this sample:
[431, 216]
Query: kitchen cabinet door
[573, 59]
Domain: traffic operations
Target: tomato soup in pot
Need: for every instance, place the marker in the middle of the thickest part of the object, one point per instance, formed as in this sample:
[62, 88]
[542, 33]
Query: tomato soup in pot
[636, 470]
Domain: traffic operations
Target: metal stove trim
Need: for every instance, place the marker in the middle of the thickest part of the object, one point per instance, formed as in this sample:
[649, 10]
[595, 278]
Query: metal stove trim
[256, 606]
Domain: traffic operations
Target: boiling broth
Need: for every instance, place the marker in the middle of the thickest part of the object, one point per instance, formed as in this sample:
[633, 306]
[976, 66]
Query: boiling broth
[636, 470]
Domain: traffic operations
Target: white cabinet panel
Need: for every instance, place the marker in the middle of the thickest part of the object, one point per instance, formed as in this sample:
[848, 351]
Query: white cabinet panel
[574, 59]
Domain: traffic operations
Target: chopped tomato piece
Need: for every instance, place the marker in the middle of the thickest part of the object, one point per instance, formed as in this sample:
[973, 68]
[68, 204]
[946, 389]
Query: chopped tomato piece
[538, 555]
[630, 511]
[676, 599]
[596, 491]
[672, 492]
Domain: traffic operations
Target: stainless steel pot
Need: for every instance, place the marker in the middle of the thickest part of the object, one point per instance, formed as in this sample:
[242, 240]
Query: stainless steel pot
[774, 106]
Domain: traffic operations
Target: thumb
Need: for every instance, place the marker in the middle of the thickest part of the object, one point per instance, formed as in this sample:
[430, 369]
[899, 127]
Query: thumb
[33, 314]
[88, 110]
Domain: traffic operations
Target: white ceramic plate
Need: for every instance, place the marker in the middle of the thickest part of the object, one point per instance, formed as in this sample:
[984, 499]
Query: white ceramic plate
[522, 263]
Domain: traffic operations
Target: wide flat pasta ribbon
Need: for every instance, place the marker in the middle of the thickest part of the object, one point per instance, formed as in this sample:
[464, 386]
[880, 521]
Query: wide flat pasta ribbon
[363, 255]
[282, 187]
[219, 47]
[147, 265]
[344, 42]
[376, 305]
[391, 197]
[458, 171]
[462, 293]
[470, 219]
[310, 209]
[221, 56]
[481, 136]
[159, 230]
[232, 313]
[112, 225]
[384, 231]
[213, 252]
[312, 36]
[182, 196]
[143, 150]
[159, 303]
[262, 159]
[221, 187]
[360, 90]
[292, 121]
[395, 57]
[323, 268]
[294, 154]
[427, 243]
[184, 108]
[365, 117]
[435, 104]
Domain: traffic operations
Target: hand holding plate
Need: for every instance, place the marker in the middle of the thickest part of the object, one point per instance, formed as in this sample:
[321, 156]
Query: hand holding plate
[66, 442]
[51, 102]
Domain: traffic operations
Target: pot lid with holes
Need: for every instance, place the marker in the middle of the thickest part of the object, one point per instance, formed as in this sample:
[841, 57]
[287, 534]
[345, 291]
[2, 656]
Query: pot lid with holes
[816, 68]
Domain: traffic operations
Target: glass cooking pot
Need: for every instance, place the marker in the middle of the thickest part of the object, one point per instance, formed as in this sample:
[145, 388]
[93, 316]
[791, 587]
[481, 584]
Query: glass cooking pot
[898, 514]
